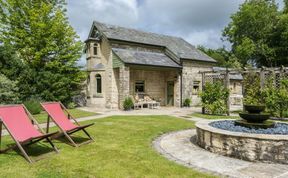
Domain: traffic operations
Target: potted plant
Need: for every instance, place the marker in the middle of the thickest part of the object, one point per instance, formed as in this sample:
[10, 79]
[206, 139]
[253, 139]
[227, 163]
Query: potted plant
[128, 104]
[187, 102]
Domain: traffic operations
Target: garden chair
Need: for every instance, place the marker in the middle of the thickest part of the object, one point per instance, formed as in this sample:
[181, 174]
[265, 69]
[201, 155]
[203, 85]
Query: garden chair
[56, 111]
[19, 124]
[137, 104]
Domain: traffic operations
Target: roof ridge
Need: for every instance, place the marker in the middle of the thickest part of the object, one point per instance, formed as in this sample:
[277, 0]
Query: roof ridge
[176, 45]
[136, 29]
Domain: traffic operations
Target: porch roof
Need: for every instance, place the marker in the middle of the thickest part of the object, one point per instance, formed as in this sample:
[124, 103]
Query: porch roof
[130, 56]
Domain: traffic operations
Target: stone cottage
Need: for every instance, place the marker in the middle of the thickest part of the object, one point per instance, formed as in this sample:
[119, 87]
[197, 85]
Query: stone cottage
[122, 62]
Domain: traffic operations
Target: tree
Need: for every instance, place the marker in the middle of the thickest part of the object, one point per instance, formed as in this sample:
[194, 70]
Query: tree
[42, 37]
[222, 56]
[250, 32]
[279, 38]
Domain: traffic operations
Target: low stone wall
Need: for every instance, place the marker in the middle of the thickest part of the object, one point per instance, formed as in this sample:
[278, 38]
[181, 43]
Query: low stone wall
[250, 147]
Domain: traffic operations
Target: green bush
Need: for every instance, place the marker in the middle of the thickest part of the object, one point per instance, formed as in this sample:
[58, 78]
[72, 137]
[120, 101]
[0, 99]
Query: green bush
[214, 98]
[8, 91]
[187, 102]
[128, 104]
[71, 105]
[252, 89]
[276, 99]
[33, 106]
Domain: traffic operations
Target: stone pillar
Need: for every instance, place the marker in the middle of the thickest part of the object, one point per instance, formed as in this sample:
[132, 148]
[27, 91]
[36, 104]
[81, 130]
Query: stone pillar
[124, 79]
[177, 91]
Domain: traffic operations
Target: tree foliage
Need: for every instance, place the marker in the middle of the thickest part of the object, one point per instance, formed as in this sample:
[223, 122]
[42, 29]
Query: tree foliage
[40, 33]
[258, 33]
[8, 90]
[252, 89]
[276, 98]
[223, 57]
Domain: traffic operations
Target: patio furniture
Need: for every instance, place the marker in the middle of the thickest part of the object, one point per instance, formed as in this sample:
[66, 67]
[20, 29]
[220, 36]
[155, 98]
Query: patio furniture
[144, 99]
[154, 105]
[19, 123]
[56, 111]
[137, 104]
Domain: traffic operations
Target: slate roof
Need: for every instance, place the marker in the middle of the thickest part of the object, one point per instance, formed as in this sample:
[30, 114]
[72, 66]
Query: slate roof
[129, 56]
[181, 48]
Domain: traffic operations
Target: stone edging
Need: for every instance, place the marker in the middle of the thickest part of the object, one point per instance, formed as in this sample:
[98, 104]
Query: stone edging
[178, 146]
[204, 125]
[159, 149]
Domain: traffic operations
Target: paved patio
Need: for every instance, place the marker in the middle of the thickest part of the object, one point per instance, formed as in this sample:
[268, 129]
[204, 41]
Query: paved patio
[174, 111]
[180, 147]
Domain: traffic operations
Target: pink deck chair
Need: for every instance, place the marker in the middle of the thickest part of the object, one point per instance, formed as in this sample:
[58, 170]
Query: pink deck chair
[19, 123]
[56, 111]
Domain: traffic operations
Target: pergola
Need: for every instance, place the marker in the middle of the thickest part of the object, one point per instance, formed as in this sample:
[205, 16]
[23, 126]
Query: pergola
[223, 74]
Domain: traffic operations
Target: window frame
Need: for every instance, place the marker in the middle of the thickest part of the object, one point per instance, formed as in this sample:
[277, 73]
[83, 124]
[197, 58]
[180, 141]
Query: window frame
[196, 83]
[98, 78]
[95, 46]
[137, 84]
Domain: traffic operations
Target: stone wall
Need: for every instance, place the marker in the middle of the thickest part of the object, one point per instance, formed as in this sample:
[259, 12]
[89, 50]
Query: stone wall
[236, 96]
[250, 147]
[191, 76]
[124, 89]
[104, 57]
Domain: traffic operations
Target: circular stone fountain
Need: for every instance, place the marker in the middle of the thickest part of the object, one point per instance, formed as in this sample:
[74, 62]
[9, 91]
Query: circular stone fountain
[254, 118]
[256, 142]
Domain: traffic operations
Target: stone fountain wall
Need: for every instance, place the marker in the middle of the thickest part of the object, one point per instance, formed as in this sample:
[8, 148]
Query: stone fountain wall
[250, 147]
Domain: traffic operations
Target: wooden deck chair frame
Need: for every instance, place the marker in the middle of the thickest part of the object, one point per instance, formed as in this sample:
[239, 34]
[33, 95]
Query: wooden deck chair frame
[20, 145]
[64, 132]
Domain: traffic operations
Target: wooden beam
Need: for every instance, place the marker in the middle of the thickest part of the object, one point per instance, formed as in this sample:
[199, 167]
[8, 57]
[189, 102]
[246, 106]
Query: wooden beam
[227, 85]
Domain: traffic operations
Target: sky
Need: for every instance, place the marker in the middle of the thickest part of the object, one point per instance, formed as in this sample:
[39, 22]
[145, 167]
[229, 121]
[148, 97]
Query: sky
[200, 22]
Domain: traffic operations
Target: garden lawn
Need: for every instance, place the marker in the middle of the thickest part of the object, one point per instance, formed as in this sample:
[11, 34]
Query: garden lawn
[122, 148]
[77, 113]
[209, 116]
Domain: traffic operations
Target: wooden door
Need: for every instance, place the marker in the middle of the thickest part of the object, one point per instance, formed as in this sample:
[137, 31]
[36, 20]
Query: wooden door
[170, 93]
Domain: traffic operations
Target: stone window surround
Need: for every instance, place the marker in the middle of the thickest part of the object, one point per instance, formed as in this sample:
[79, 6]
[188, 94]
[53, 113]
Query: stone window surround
[95, 52]
[98, 95]
[196, 83]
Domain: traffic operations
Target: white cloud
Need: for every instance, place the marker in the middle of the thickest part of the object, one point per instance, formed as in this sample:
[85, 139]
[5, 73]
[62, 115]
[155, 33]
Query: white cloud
[200, 22]
[119, 12]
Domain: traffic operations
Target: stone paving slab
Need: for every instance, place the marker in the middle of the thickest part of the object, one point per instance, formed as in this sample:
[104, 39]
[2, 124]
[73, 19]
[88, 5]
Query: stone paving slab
[180, 147]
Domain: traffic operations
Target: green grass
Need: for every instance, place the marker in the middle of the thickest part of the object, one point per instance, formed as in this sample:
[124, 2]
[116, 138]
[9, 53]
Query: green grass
[122, 148]
[77, 113]
[209, 116]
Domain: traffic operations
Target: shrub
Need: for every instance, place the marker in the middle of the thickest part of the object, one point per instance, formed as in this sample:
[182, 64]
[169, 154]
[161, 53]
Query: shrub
[252, 89]
[214, 98]
[187, 102]
[276, 99]
[33, 106]
[71, 105]
[8, 91]
[128, 104]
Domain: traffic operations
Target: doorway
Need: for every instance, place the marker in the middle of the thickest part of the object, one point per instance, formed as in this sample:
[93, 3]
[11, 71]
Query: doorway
[170, 93]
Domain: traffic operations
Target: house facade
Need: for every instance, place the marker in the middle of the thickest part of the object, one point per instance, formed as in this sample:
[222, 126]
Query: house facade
[123, 62]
